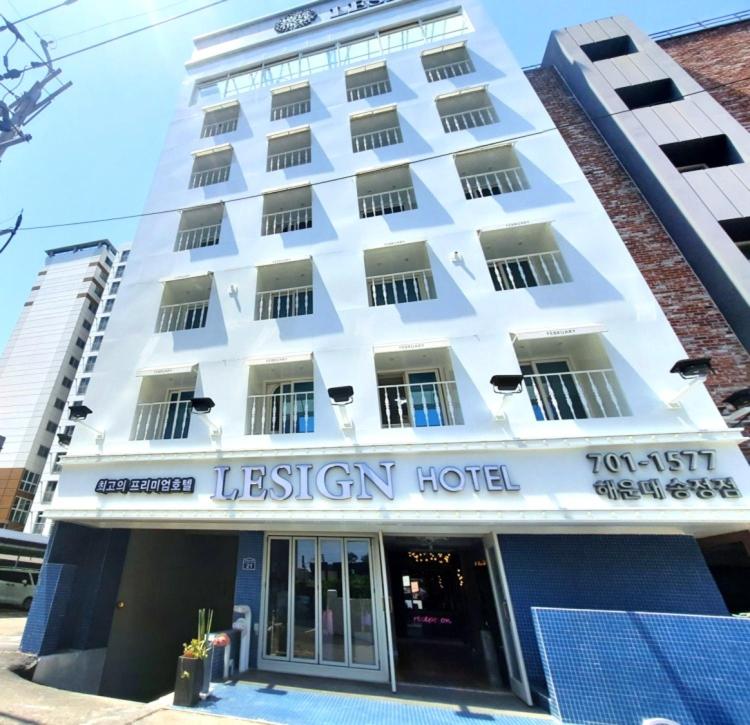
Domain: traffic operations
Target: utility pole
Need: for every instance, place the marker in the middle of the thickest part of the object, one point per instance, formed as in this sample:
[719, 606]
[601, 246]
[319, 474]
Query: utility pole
[30, 103]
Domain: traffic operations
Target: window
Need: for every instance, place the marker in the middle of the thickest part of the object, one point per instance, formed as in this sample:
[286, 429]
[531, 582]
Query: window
[42, 451]
[385, 192]
[20, 510]
[739, 232]
[108, 261]
[39, 523]
[652, 93]
[68, 430]
[184, 304]
[375, 129]
[83, 386]
[211, 167]
[114, 287]
[284, 290]
[73, 362]
[398, 274]
[103, 322]
[119, 271]
[281, 400]
[109, 304]
[96, 343]
[465, 109]
[287, 211]
[163, 412]
[220, 120]
[367, 81]
[449, 61]
[86, 325]
[93, 306]
[199, 227]
[66, 382]
[609, 48]
[97, 288]
[291, 101]
[29, 482]
[80, 343]
[701, 153]
[490, 172]
[49, 491]
[290, 148]
[51, 427]
[57, 465]
[59, 404]
[90, 362]
[125, 255]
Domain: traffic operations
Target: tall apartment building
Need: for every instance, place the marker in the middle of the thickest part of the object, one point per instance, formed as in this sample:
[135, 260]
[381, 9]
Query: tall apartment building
[393, 350]
[39, 364]
[49, 476]
[687, 152]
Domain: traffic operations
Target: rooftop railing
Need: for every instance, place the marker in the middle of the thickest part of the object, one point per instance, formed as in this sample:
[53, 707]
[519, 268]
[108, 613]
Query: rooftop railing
[205, 236]
[492, 183]
[377, 139]
[449, 70]
[419, 405]
[217, 175]
[285, 159]
[161, 421]
[281, 413]
[471, 118]
[387, 202]
[528, 270]
[185, 316]
[367, 90]
[289, 302]
[287, 221]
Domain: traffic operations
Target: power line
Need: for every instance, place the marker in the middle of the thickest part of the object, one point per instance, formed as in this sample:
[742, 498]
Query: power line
[432, 157]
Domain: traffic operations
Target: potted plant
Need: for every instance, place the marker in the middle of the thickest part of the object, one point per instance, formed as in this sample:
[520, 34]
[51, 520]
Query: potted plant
[193, 667]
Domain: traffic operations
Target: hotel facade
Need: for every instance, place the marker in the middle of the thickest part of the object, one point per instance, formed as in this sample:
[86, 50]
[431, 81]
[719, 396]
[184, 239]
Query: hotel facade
[391, 380]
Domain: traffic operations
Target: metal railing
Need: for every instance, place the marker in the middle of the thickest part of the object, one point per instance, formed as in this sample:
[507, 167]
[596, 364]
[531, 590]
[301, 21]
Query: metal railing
[575, 395]
[492, 183]
[185, 316]
[161, 421]
[289, 302]
[471, 118]
[449, 70]
[387, 202]
[377, 139]
[295, 108]
[389, 289]
[367, 90]
[287, 221]
[528, 270]
[419, 405]
[281, 413]
[196, 237]
[701, 25]
[218, 127]
[285, 159]
[210, 176]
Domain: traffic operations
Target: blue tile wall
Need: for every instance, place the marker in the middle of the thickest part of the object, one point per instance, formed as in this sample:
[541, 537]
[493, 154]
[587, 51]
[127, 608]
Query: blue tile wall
[624, 667]
[624, 572]
[248, 584]
[78, 587]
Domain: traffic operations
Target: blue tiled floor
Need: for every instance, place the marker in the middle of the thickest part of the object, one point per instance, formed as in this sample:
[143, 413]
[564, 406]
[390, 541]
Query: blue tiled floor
[296, 706]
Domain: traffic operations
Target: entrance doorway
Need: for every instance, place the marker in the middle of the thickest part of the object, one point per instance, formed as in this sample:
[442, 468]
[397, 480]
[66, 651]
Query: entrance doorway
[445, 624]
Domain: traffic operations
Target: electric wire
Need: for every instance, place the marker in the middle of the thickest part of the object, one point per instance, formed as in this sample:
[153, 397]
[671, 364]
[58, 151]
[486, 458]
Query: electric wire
[431, 157]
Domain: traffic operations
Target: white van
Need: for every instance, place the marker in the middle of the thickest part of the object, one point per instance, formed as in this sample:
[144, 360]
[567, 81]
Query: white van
[18, 586]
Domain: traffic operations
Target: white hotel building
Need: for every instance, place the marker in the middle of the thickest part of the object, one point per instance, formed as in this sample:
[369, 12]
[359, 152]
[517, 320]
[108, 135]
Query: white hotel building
[375, 199]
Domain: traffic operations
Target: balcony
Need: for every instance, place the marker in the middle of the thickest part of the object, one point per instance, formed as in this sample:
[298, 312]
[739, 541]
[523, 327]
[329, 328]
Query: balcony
[292, 148]
[416, 389]
[367, 81]
[284, 290]
[490, 172]
[699, 154]
[287, 211]
[291, 101]
[211, 167]
[398, 274]
[220, 120]
[375, 129]
[465, 109]
[385, 192]
[282, 399]
[450, 61]
[184, 304]
[199, 227]
[738, 231]
[570, 378]
[164, 407]
[522, 257]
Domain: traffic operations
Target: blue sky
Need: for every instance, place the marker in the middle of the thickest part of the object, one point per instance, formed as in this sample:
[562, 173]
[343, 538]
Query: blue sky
[95, 149]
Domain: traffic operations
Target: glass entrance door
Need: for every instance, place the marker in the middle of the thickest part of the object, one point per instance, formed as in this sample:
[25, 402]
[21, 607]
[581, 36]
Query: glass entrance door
[320, 605]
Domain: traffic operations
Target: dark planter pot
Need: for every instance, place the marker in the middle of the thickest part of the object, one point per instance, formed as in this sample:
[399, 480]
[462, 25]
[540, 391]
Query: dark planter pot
[188, 682]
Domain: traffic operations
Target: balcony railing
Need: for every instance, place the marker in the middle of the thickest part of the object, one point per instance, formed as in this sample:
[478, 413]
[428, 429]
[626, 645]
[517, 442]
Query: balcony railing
[389, 289]
[185, 316]
[296, 108]
[449, 70]
[162, 421]
[197, 237]
[377, 139]
[471, 118]
[387, 202]
[289, 302]
[493, 183]
[575, 395]
[367, 90]
[528, 270]
[281, 413]
[419, 405]
[287, 221]
[210, 176]
[285, 159]
[219, 127]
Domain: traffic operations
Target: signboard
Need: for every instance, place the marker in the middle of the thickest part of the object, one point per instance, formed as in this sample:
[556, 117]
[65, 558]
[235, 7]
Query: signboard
[248, 563]
[177, 484]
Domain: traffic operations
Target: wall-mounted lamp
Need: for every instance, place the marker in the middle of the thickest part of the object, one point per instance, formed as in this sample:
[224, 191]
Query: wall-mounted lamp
[694, 370]
[64, 439]
[341, 397]
[740, 402]
[79, 413]
[505, 385]
[202, 407]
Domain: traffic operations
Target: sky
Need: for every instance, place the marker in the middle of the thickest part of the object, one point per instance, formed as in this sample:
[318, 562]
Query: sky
[95, 149]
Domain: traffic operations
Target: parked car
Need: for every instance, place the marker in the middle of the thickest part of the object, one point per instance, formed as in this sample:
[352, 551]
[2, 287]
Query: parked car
[18, 586]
